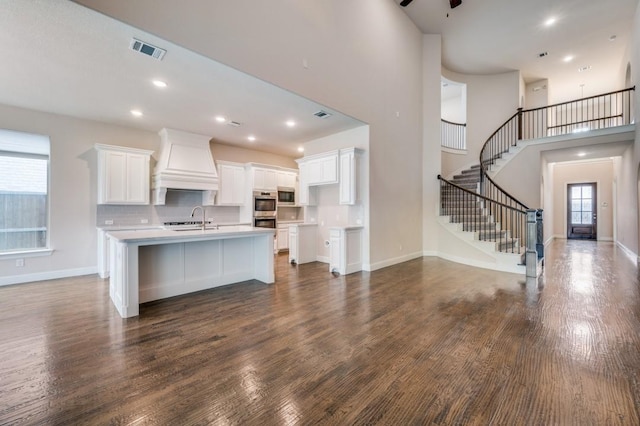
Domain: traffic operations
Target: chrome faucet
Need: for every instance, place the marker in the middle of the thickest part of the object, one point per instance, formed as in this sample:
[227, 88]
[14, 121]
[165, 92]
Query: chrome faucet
[203, 210]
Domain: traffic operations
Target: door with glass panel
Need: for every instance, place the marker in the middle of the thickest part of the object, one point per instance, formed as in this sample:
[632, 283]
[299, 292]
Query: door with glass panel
[581, 211]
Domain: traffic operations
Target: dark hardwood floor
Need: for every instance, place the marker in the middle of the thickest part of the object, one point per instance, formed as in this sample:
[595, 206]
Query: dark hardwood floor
[424, 342]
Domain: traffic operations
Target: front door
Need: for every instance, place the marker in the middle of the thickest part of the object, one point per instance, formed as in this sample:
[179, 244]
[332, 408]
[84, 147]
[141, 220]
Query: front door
[581, 211]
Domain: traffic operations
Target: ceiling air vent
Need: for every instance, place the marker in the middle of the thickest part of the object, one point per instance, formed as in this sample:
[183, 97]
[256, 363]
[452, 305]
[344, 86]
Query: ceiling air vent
[147, 49]
[233, 123]
[322, 114]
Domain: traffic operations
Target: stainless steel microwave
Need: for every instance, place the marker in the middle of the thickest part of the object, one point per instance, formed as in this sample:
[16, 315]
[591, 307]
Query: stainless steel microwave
[286, 196]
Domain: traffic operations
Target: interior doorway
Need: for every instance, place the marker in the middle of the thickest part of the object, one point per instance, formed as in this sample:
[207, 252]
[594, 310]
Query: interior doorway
[582, 220]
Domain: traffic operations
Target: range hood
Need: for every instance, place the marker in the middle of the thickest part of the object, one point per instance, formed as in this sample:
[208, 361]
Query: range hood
[185, 162]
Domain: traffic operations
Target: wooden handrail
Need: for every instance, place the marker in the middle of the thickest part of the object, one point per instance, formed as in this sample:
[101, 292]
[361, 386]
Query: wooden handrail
[581, 99]
[475, 194]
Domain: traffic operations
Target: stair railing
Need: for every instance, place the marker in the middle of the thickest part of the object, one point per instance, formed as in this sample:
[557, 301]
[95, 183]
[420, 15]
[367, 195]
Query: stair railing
[594, 112]
[490, 219]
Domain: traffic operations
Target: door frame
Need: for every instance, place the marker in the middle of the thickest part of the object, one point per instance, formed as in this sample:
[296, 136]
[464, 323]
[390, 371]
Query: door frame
[566, 205]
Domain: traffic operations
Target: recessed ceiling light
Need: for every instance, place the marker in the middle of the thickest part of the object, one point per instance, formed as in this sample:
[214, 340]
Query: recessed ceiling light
[290, 123]
[581, 154]
[159, 83]
[136, 112]
[220, 119]
[549, 22]
[251, 138]
[568, 58]
[300, 149]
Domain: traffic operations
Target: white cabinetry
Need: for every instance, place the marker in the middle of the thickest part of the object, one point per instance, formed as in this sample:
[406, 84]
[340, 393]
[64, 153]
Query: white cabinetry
[287, 179]
[302, 243]
[322, 169]
[348, 175]
[283, 237]
[231, 185]
[306, 195]
[123, 175]
[345, 249]
[264, 179]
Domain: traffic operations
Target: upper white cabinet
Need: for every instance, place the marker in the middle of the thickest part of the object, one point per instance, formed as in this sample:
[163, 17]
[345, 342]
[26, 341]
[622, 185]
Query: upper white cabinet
[338, 166]
[231, 184]
[322, 169]
[348, 175]
[123, 175]
[269, 178]
[287, 179]
[264, 179]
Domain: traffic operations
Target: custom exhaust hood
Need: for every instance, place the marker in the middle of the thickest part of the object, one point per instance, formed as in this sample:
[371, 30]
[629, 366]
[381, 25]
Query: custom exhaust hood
[185, 163]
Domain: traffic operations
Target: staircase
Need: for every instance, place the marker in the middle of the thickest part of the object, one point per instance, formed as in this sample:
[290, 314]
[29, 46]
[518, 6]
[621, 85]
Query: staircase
[472, 214]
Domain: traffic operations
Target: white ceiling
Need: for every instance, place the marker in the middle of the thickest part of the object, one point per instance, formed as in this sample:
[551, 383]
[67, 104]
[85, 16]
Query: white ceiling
[492, 36]
[61, 57]
[58, 56]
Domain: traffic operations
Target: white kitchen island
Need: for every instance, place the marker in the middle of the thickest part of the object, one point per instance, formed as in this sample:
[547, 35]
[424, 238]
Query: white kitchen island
[157, 263]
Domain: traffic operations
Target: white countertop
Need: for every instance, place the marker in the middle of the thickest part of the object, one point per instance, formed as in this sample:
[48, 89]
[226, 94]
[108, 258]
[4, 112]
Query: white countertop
[347, 228]
[161, 236]
[303, 224]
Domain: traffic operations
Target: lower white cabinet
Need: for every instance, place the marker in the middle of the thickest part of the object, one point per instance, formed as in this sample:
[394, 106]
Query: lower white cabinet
[283, 237]
[345, 249]
[302, 243]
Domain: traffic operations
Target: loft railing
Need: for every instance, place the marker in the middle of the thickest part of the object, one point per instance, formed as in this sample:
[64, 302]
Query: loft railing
[453, 135]
[490, 219]
[595, 112]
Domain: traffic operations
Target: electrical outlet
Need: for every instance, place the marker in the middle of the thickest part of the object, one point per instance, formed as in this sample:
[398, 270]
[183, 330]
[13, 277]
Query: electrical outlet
[19, 263]
[108, 222]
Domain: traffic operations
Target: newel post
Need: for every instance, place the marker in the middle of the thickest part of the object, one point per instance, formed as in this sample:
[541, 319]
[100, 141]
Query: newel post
[520, 123]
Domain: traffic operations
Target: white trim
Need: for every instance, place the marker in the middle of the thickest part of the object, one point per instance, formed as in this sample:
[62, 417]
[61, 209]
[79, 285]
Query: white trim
[26, 253]
[628, 252]
[454, 150]
[322, 259]
[549, 240]
[49, 275]
[430, 253]
[511, 268]
[605, 239]
[391, 262]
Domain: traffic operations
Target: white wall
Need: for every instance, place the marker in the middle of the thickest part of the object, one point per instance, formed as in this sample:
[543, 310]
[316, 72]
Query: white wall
[491, 100]
[536, 94]
[244, 155]
[600, 172]
[628, 184]
[431, 158]
[364, 59]
[73, 188]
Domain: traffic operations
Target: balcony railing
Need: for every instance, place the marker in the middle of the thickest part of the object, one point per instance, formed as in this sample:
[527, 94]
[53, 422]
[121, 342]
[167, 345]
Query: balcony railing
[453, 135]
[595, 112]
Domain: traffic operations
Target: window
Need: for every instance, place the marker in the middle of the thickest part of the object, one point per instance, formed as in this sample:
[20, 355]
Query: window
[24, 194]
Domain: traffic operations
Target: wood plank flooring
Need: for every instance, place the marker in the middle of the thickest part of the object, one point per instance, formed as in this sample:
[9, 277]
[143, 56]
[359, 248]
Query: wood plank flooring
[424, 342]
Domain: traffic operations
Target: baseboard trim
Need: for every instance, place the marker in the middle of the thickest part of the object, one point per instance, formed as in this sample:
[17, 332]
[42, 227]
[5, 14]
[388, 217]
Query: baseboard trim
[549, 240]
[49, 275]
[628, 252]
[391, 262]
[515, 269]
[322, 259]
[430, 253]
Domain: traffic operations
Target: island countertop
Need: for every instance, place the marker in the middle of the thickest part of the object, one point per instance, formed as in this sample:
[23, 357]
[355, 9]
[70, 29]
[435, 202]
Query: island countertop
[152, 264]
[164, 236]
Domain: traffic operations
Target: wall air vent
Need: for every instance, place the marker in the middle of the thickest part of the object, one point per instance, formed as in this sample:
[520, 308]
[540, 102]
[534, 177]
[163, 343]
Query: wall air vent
[233, 123]
[147, 49]
[322, 114]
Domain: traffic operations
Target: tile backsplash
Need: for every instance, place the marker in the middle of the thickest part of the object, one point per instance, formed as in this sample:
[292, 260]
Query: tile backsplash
[178, 207]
